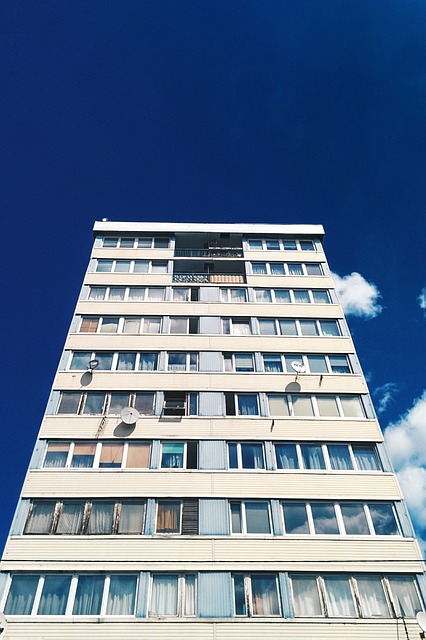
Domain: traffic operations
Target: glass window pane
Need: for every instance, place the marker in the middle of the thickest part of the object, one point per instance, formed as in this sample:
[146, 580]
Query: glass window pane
[309, 328]
[121, 596]
[94, 403]
[148, 361]
[340, 458]
[104, 266]
[295, 518]
[329, 328]
[273, 245]
[272, 363]
[232, 454]
[101, 518]
[71, 518]
[267, 327]
[164, 600]
[241, 327]
[117, 293]
[252, 455]
[339, 364]
[354, 519]
[69, 402]
[288, 327]
[161, 243]
[144, 243]
[255, 245]
[302, 406]
[265, 596]
[193, 361]
[301, 296]
[89, 325]
[383, 519]
[168, 516]
[406, 600]
[339, 597]
[247, 404]
[239, 595]
[295, 269]
[313, 269]
[172, 455]
[290, 245]
[21, 594]
[178, 325]
[327, 406]
[181, 295]
[156, 294]
[306, 597]
[122, 266]
[282, 296]
[324, 517]
[352, 406]
[236, 521]
[137, 293]
[132, 325]
[141, 266]
[40, 518]
[97, 293]
[289, 359]
[131, 517]
[151, 325]
[111, 456]
[56, 455]
[110, 242]
[126, 361]
[54, 595]
[312, 456]
[177, 362]
[80, 360]
[83, 455]
[117, 402]
[307, 245]
[278, 405]
[373, 599]
[109, 325]
[321, 296]
[286, 456]
[190, 608]
[244, 362]
[138, 456]
[159, 267]
[263, 295]
[257, 517]
[127, 243]
[277, 269]
[317, 364]
[366, 458]
[145, 403]
[88, 598]
[237, 295]
[259, 268]
[104, 360]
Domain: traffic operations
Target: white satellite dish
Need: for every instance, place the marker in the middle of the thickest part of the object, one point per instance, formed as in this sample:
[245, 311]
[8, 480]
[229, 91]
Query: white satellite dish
[298, 366]
[3, 625]
[129, 415]
[421, 620]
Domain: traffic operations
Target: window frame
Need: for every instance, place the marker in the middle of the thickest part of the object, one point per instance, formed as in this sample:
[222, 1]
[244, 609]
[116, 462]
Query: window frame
[243, 517]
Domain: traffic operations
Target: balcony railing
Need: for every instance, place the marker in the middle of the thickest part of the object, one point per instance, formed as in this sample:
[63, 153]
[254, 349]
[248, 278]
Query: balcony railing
[212, 252]
[211, 278]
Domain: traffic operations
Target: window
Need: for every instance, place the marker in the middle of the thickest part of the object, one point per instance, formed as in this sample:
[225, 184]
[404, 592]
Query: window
[148, 361]
[40, 517]
[307, 602]
[246, 455]
[89, 325]
[95, 403]
[186, 294]
[241, 404]
[132, 517]
[324, 518]
[239, 362]
[56, 455]
[88, 597]
[340, 457]
[295, 518]
[233, 295]
[109, 325]
[173, 595]
[54, 595]
[179, 361]
[339, 597]
[312, 456]
[286, 456]
[83, 455]
[180, 404]
[172, 455]
[168, 516]
[383, 518]
[251, 517]
[126, 362]
[131, 266]
[404, 595]
[256, 595]
[272, 363]
[354, 519]
[372, 597]
[365, 457]
[236, 326]
[321, 296]
[183, 325]
[21, 595]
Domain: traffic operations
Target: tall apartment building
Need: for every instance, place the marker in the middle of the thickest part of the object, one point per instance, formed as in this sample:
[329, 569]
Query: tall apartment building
[210, 456]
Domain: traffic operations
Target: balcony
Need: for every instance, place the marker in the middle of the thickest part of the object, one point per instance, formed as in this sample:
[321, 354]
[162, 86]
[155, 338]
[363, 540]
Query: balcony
[210, 252]
[209, 278]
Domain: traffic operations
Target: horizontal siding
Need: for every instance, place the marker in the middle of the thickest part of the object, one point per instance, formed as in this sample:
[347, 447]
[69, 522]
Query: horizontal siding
[195, 630]
[294, 344]
[87, 307]
[154, 380]
[97, 483]
[309, 553]
[233, 428]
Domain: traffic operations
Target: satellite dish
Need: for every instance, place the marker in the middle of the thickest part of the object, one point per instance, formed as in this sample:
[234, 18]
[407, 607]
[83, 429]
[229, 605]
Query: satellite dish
[3, 625]
[421, 620]
[298, 366]
[129, 415]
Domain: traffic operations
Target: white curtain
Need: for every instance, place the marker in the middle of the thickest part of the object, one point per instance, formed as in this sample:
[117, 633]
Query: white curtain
[339, 457]
[21, 595]
[137, 293]
[339, 597]
[88, 598]
[71, 518]
[373, 600]
[190, 609]
[247, 405]
[156, 293]
[40, 520]
[312, 456]
[265, 597]
[164, 595]
[286, 456]
[101, 518]
[131, 517]
[366, 459]
[54, 596]
[252, 455]
[121, 596]
[405, 596]
[126, 362]
[181, 295]
[306, 598]
[237, 295]
[151, 325]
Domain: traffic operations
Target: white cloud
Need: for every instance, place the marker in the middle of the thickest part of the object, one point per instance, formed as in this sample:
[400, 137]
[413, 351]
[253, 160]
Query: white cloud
[384, 395]
[357, 296]
[406, 444]
[422, 298]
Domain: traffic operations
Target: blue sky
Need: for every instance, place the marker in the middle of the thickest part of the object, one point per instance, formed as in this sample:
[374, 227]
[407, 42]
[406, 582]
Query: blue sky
[287, 111]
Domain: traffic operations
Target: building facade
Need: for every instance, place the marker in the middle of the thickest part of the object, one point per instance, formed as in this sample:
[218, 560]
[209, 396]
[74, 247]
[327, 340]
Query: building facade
[210, 456]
